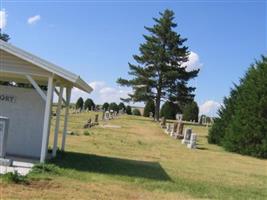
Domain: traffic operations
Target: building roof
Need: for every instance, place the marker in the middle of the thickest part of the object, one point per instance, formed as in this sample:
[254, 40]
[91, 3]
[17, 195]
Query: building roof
[75, 80]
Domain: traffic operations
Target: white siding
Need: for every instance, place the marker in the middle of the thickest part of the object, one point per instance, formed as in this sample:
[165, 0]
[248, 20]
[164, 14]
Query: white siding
[26, 116]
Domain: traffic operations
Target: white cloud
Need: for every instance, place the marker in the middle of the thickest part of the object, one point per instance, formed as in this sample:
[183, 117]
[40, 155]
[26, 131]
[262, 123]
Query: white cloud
[193, 62]
[109, 94]
[3, 18]
[102, 93]
[34, 19]
[209, 108]
[97, 85]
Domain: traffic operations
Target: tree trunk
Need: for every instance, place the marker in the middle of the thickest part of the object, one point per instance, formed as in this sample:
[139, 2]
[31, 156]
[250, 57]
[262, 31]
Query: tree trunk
[157, 109]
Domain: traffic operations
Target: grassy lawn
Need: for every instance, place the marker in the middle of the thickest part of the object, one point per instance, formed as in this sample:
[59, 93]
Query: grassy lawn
[139, 161]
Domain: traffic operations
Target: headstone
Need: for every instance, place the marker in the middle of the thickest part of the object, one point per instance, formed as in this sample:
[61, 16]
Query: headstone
[150, 114]
[88, 124]
[169, 128]
[163, 122]
[96, 118]
[111, 114]
[115, 114]
[179, 117]
[103, 115]
[107, 115]
[193, 141]
[180, 129]
[4, 123]
[174, 130]
[187, 136]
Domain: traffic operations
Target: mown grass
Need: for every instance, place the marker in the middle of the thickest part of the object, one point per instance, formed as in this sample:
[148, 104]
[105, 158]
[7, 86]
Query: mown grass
[139, 161]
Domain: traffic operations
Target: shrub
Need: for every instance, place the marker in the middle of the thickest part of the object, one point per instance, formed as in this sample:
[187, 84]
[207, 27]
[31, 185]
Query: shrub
[136, 112]
[150, 107]
[242, 125]
[190, 112]
[15, 177]
[45, 168]
[86, 133]
[129, 110]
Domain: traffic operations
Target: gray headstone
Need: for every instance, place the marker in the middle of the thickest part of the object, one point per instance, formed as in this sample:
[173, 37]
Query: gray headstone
[187, 136]
[193, 141]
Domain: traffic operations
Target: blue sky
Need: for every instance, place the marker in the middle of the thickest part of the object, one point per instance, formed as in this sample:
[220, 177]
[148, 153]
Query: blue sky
[96, 39]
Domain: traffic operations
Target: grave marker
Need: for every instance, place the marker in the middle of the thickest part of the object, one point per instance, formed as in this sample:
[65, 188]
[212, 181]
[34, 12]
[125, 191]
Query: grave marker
[193, 141]
[187, 136]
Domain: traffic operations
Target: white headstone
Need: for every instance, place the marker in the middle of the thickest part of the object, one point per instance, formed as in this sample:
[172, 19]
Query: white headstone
[107, 115]
[179, 117]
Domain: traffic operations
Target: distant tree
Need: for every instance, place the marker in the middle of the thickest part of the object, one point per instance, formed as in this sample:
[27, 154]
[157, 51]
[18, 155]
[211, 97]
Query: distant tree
[97, 107]
[113, 106]
[79, 103]
[128, 110]
[105, 106]
[136, 112]
[3, 36]
[149, 108]
[160, 72]
[122, 106]
[89, 104]
[242, 123]
[190, 112]
[169, 110]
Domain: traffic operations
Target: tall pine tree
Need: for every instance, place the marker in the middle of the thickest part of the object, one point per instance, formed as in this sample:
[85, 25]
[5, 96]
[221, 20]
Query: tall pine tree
[160, 73]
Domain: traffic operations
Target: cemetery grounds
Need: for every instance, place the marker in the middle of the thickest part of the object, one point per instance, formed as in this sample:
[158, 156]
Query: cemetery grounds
[134, 159]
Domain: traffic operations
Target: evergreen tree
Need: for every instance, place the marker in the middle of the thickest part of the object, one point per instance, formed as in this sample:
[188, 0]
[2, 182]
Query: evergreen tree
[136, 112]
[150, 107]
[128, 110]
[89, 104]
[225, 116]
[169, 110]
[242, 125]
[160, 73]
[190, 112]
[79, 103]
[122, 106]
[113, 106]
[105, 106]
[3, 36]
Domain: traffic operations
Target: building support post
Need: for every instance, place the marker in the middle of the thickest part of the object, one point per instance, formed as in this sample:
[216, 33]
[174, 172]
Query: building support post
[47, 114]
[54, 153]
[68, 95]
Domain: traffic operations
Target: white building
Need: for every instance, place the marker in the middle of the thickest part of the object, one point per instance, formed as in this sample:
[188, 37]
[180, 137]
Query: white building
[29, 110]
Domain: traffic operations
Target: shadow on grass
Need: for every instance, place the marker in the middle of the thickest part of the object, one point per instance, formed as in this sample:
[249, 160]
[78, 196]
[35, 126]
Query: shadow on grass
[110, 165]
[202, 148]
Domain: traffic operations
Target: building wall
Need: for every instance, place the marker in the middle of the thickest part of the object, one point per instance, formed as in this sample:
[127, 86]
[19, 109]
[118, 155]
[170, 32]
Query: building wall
[25, 109]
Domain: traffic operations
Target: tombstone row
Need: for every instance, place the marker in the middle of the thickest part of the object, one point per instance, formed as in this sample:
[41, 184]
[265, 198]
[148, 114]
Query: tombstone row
[176, 130]
[108, 115]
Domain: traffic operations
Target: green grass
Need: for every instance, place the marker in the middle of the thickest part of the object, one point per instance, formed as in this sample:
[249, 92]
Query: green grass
[139, 161]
